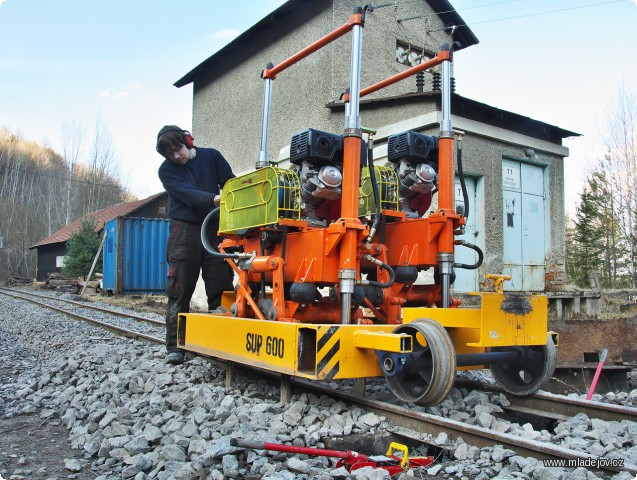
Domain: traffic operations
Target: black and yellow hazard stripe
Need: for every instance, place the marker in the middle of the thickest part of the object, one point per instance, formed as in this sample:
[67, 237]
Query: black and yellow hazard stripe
[328, 348]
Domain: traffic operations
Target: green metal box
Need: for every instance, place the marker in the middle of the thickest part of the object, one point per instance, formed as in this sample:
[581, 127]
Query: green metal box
[259, 198]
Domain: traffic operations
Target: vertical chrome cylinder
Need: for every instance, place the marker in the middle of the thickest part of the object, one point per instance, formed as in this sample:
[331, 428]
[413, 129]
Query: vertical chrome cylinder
[353, 119]
[446, 129]
[264, 159]
[347, 278]
[445, 269]
[346, 308]
[446, 290]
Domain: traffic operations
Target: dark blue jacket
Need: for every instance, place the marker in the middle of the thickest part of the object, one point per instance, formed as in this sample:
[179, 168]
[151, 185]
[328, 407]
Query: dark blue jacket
[192, 187]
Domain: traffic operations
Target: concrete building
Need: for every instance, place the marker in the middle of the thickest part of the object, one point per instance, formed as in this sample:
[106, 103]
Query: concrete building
[513, 164]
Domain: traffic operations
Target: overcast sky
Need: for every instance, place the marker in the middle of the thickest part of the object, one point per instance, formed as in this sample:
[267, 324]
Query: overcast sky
[66, 62]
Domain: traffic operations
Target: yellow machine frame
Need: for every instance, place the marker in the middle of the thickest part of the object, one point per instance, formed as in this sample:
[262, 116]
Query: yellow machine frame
[326, 352]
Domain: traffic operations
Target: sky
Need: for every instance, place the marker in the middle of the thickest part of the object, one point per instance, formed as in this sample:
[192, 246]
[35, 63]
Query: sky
[70, 62]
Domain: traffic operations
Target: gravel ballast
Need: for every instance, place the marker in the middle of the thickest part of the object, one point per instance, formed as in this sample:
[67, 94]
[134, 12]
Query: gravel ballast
[129, 415]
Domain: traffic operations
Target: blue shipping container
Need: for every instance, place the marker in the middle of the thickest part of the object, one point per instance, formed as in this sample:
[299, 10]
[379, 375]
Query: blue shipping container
[135, 255]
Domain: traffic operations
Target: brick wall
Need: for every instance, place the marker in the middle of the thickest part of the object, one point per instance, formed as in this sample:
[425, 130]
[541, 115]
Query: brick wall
[554, 278]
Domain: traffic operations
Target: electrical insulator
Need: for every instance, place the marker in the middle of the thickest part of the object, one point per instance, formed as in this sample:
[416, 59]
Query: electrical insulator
[420, 81]
[436, 82]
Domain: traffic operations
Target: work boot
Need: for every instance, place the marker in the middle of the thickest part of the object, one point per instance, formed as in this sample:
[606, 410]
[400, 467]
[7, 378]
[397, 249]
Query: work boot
[175, 358]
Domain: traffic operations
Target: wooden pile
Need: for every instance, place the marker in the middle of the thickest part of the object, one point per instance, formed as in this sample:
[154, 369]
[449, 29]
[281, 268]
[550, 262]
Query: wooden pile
[93, 286]
[59, 281]
[15, 281]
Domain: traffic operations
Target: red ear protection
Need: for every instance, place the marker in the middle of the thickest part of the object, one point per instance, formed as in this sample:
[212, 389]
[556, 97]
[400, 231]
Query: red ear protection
[187, 138]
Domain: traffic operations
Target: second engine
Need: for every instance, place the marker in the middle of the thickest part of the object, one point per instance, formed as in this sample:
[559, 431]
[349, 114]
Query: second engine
[415, 159]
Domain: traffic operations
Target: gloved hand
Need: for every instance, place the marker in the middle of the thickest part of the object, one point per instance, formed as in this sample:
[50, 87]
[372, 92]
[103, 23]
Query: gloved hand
[217, 200]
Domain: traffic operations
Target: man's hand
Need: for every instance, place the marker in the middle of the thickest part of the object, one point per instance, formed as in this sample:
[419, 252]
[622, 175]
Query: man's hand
[217, 200]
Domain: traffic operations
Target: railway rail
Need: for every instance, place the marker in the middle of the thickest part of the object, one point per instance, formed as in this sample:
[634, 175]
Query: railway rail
[410, 423]
[558, 407]
[150, 333]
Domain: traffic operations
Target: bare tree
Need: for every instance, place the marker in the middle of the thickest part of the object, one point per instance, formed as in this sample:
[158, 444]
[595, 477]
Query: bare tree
[620, 164]
[73, 138]
[102, 166]
[41, 191]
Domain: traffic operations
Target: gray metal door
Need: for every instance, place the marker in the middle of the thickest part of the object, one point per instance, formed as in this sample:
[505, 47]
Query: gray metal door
[467, 280]
[524, 225]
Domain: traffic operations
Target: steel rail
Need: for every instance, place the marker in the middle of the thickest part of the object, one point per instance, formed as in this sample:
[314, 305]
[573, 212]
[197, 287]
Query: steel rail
[113, 328]
[558, 407]
[92, 307]
[474, 435]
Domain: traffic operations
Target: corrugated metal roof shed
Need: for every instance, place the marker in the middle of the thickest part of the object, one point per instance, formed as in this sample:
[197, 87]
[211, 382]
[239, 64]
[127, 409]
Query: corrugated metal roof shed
[100, 216]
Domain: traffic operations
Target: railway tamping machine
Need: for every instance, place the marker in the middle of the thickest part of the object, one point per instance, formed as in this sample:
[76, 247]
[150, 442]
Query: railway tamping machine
[328, 255]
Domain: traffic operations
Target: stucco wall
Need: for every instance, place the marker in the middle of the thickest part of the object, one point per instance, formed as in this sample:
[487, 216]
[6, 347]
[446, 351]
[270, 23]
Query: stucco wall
[227, 106]
[482, 157]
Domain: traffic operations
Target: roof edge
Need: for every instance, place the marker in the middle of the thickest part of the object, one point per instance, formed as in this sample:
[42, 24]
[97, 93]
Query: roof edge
[442, 8]
[456, 99]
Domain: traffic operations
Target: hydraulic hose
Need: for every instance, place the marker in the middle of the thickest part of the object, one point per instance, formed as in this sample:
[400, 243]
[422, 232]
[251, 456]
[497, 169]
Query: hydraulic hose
[209, 248]
[472, 247]
[372, 177]
[384, 266]
[463, 185]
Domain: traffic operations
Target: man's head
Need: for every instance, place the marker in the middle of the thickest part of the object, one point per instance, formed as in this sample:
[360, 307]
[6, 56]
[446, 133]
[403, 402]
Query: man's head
[175, 144]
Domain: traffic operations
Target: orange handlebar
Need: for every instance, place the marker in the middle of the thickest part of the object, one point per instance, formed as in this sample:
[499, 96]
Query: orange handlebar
[438, 59]
[354, 19]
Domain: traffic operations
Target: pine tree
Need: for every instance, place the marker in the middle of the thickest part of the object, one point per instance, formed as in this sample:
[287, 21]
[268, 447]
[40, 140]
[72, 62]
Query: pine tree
[81, 250]
[588, 254]
[570, 254]
[613, 243]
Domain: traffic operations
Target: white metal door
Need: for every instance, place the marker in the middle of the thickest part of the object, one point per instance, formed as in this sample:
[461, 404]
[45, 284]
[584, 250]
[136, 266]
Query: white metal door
[467, 280]
[524, 225]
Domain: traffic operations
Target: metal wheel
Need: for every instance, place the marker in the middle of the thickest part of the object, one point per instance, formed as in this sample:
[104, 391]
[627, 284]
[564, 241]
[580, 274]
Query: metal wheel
[425, 375]
[535, 368]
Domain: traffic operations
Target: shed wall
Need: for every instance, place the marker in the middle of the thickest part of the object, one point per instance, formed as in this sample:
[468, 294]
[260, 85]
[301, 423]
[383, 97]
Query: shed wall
[47, 255]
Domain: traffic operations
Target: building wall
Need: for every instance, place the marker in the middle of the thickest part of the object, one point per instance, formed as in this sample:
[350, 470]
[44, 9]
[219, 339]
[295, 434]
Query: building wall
[47, 255]
[483, 157]
[156, 209]
[484, 148]
[227, 105]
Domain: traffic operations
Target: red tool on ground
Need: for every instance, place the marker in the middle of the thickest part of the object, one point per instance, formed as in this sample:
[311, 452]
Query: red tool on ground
[348, 459]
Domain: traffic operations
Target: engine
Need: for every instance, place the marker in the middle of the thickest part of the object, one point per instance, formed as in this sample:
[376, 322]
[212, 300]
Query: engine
[318, 160]
[318, 185]
[415, 159]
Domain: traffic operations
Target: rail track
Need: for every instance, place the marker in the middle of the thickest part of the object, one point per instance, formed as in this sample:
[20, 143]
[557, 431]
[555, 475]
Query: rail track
[410, 423]
[74, 311]
[558, 407]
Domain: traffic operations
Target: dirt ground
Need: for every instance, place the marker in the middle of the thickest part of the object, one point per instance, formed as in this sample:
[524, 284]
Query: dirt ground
[33, 447]
[138, 303]
[618, 304]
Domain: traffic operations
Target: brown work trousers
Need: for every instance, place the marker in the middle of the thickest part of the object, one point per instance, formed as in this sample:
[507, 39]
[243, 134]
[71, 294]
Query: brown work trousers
[186, 258]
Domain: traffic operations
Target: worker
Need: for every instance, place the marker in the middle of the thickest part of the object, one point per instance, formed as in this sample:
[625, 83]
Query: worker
[193, 177]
